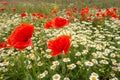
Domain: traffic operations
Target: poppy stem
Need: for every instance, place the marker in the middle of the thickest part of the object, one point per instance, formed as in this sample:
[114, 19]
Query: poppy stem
[63, 66]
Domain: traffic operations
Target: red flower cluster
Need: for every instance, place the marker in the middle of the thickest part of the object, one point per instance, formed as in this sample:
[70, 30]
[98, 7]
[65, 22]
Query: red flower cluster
[71, 13]
[107, 13]
[84, 13]
[59, 45]
[38, 15]
[13, 9]
[111, 13]
[68, 12]
[57, 23]
[100, 14]
[21, 36]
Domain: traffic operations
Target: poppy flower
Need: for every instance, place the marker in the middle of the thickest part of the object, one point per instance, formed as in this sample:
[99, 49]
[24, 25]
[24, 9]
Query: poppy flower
[54, 11]
[21, 36]
[91, 15]
[4, 3]
[97, 14]
[34, 14]
[95, 7]
[49, 24]
[89, 19]
[59, 45]
[13, 9]
[99, 10]
[60, 22]
[23, 15]
[68, 13]
[71, 19]
[2, 9]
[114, 15]
[82, 18]
[74, 9]
[40, 15]
[3, 45]
[103, 14]
[115, 9]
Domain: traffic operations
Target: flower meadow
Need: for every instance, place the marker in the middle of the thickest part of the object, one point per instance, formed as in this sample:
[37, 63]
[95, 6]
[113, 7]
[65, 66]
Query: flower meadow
[67, 44]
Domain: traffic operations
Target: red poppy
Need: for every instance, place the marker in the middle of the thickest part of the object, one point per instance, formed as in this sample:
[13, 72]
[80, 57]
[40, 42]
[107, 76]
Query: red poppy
[21, 36]
[49, 24]
[95, 7]
[114, 15]
[59, 45]
[2, 9]
[103, 15]
[3, 45]
[107, 9]
[82, 18]
[23, 15]
[74, 9]
[89, 19]
[34, 14]
[68, 13]
[115, 9]
[13, 9]
[97, 14]
[91, 14]
[99, 10]
[60, 22]
[40, 15]
[4, 3]
[54, 11]
[71, 19]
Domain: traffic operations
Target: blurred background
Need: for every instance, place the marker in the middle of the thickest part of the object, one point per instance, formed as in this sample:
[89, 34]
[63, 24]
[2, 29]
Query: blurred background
[47, 5]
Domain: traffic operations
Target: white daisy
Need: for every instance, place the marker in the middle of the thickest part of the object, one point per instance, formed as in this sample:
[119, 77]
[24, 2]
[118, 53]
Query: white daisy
[66, 60]
[56, 77]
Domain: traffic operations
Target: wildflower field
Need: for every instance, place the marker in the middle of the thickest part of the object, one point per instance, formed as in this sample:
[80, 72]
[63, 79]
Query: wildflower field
[59, 40]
